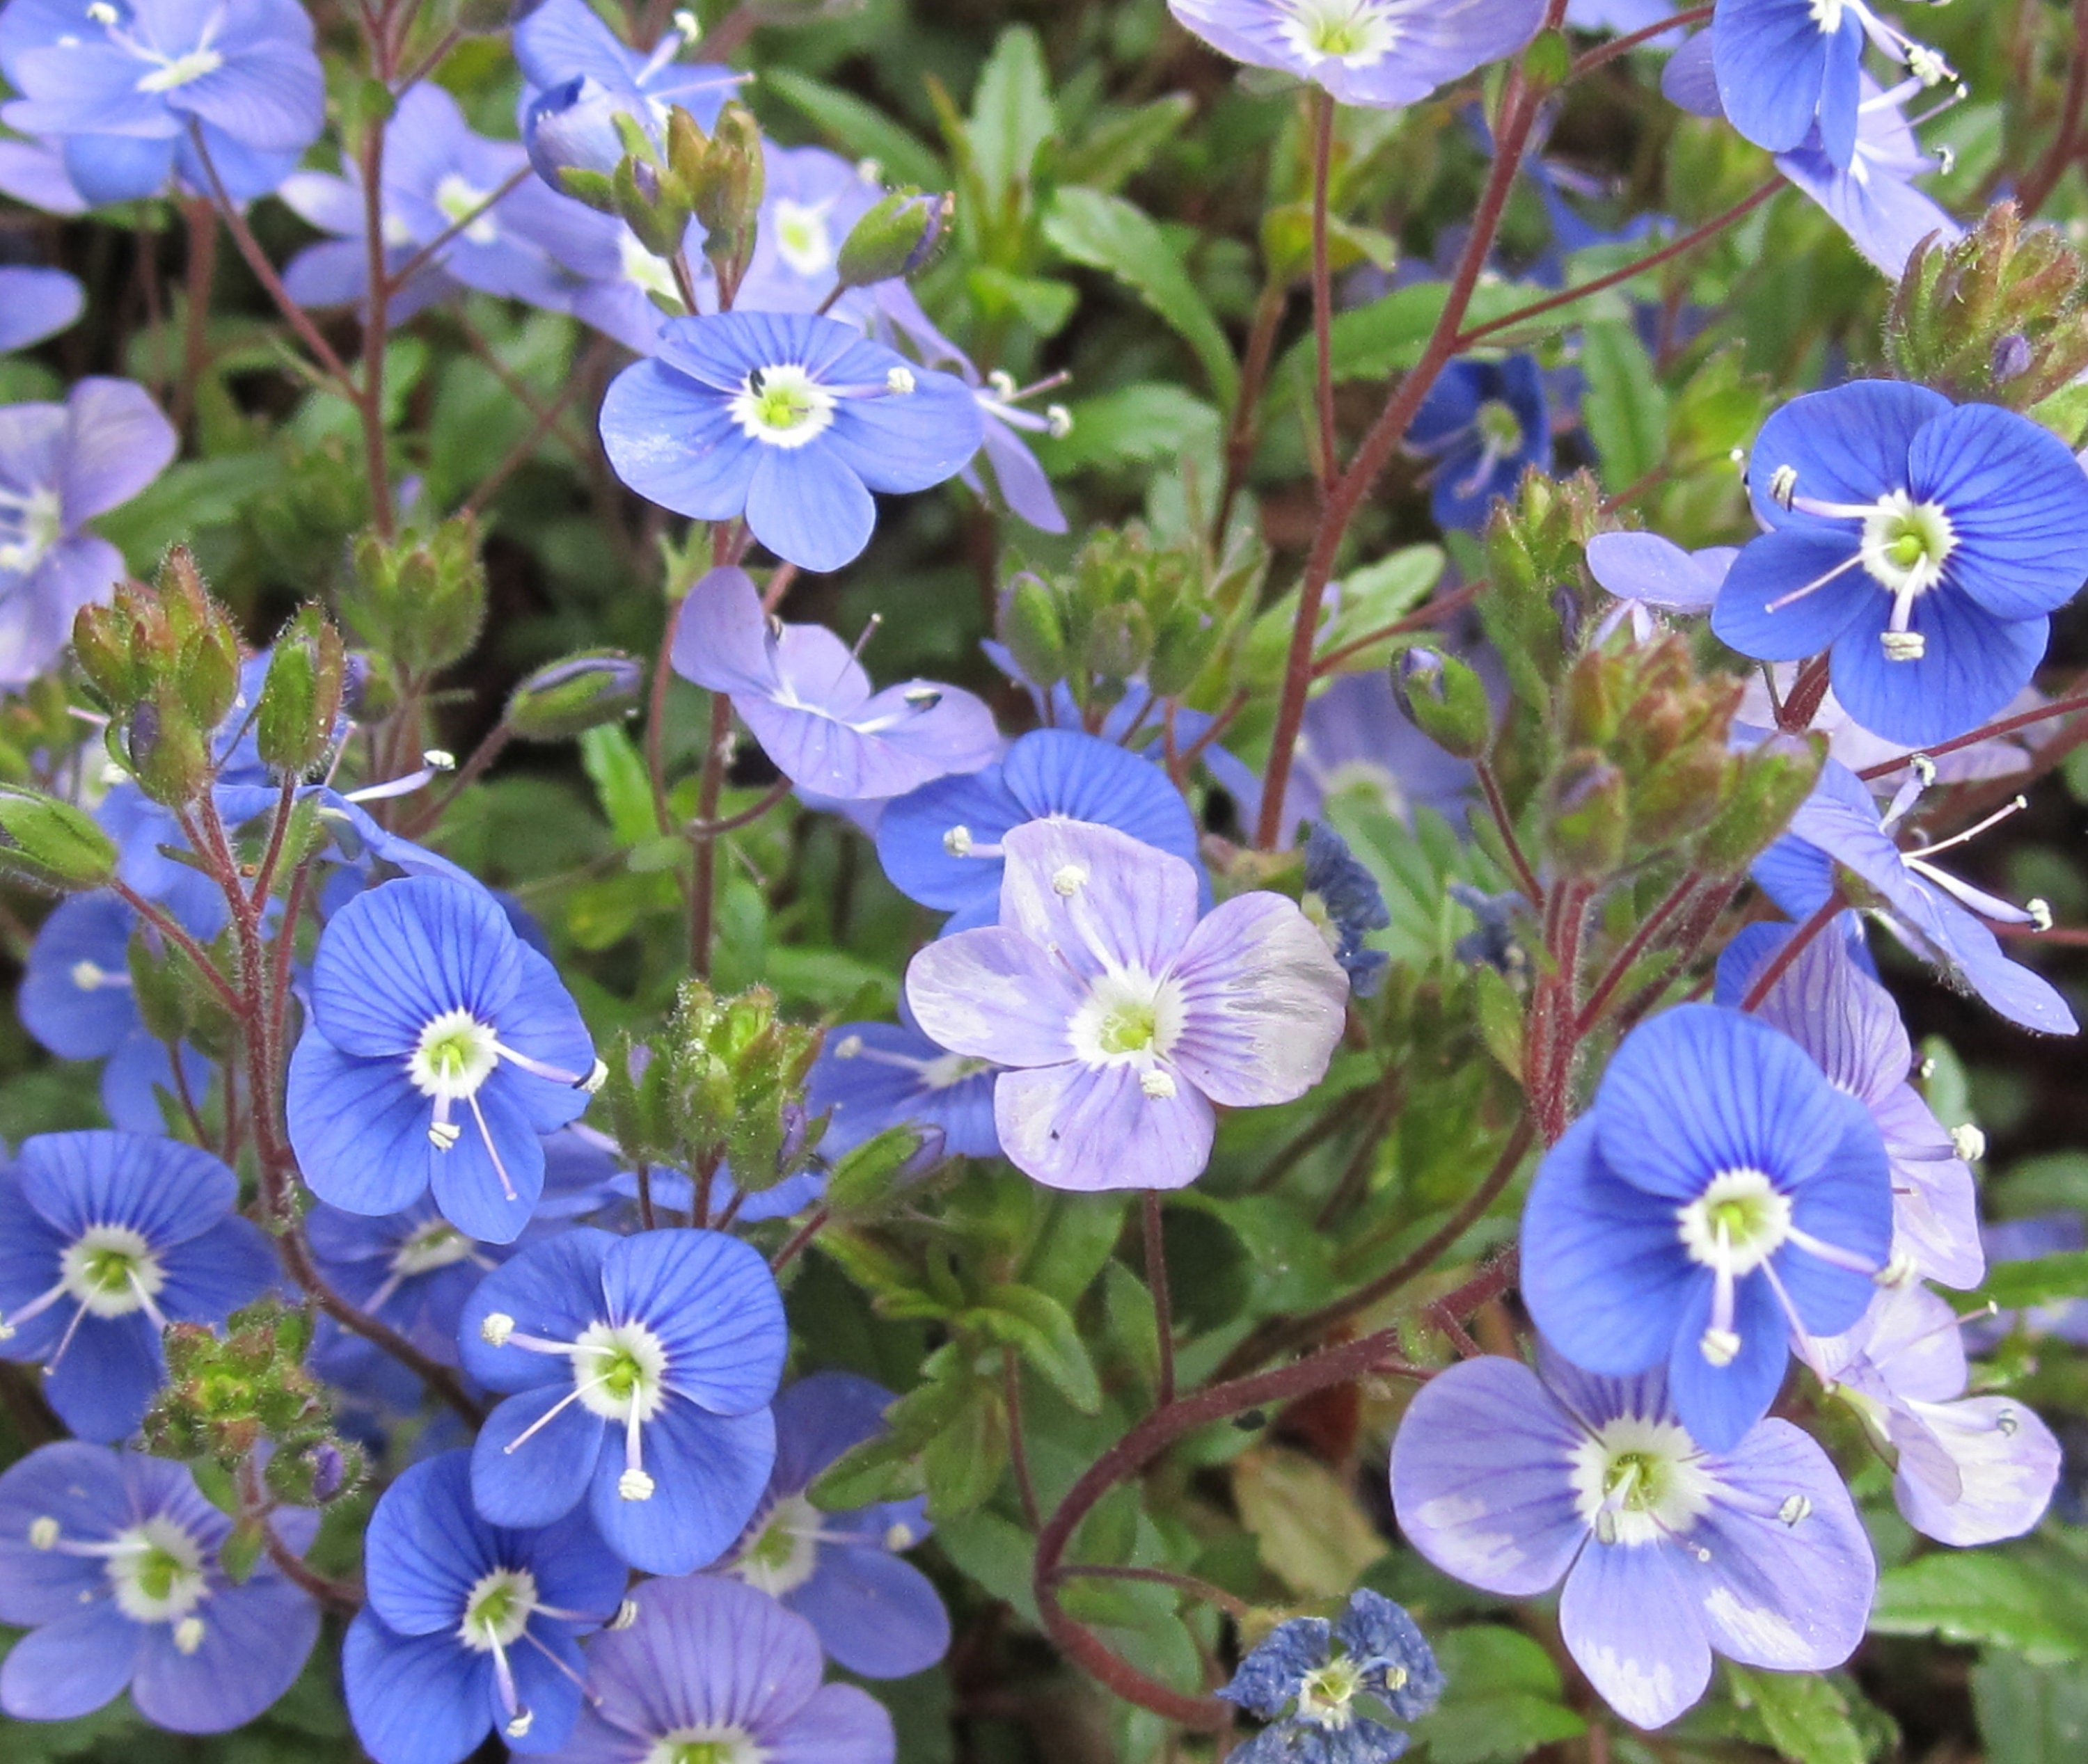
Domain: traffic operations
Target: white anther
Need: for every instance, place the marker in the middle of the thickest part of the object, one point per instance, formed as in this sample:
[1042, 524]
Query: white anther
[1157, 1085]
[1923, 769]
[43, 1533]
[1926, 1070]
[1068, 880]
[626, 1614]
[598, 1076]
[635, 1485]
[102, 13]
[900, 380]
[1946, 158]
[497, 1326]
[957, 842]
[1796, 1507]
[1739, 456]
[188, 1635]
[1896, 1271]
[520, 1724]
[871, 171]
[923, 698]
[1968, 1142]
[688, 24]
[1903, 646]
[1783, 485]
[1058, 421]
[1926, 65]
[1720, 1347]
[442, 1134]
[848, 1047]
[898, 1536]
[1001, 383]
[2040, 910]
[439, 759]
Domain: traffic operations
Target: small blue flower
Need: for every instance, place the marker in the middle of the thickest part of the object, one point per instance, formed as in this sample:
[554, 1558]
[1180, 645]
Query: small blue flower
[643, 1368]
[470, 1627]
[1485, 423]
[565, 40]
[425, 1006]
[1922, 545]
[413, 1270]
[940, 844]
[1719, 1194]
[713, 1672]
[1354, 904]
[105, 1238]
[111, 1561]
[875, 1615]
[789, 419]
[871, 1076]
[1316, 1699]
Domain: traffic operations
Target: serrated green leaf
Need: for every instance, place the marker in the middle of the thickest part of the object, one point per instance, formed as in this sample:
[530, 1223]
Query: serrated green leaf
[865, 131]
[1041, 1329]
[1106, 232]
[1626, 407]
[1805, 1716]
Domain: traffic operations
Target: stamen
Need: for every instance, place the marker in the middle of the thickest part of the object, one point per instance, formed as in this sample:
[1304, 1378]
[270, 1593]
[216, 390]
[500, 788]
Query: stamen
[1840, 569]
[1971, 833]
[551, 1414]
[493, 1151]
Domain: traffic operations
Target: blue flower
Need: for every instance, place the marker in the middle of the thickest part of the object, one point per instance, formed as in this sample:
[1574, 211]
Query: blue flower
[76, 1000]
[871, 1076]
[121, 83]
[1920, 903]
[35, 304]
[413, 1270]
[940, 844]
[61, 465]
[564, 39]
[1649, 575]
[713, 1670]
[643, 1368]
[809, 703]
[111, 1560]
[425, 1005]
[1718, 1194]
[1923, 545]
[875, 1615]
[1316, 1700]
[1354, 904]
[1485, 423]
[1785, 67]
[1383, 53]
[469, 1627]
[789, 419]
[105, 1238]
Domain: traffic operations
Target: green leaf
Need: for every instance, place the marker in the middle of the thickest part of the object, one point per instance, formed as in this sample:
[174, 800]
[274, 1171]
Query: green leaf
[1042, 303]
[1388, 335]
[1111, 152]
[864, 131]
[1106, 232]
[1502, 1698]
[997, 1553]
[1314, 1535]
[1078, 1234]
[1375, 595]
[1626, 407]
[184, 501]
[1040, 1329]
[1011, 112]
[621, 785]
[1152, 419]
[1805, 1716]
[2030, 1714]
[963, 1460]
[2012, 1601]
[2016, 1286]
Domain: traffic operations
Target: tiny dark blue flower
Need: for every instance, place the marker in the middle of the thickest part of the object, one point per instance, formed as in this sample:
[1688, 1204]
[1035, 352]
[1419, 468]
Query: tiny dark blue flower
[642, 1370]
[1317, 1698]
[1484, 423]
[1354, 904]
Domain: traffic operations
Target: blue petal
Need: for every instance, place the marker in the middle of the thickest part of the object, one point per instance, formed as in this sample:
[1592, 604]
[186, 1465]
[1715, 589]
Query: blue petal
[676, 442]
[1718, 1404]
[722, 637]
[106, 1378]
[256, 1639]
[30, 1252]
[210, 1277]
[1628, 1616]
[70, 1667]
[900, 444]
[1771, 60]
[877, 1615]
[401, 955]
[709, 1473]
[552, 1289]
[1747, 618]
[35, 304]
[138, 1084]
[425, 1548]
[548, 1678]
[1972, 665]
[359, 1128]
[715, 1307]
[83, 1488]
[118, 167]
[809, 507]
[2017, 501]
[418, 1700]
[78, 1022]
[545, 1477]
[1849, 445]
[166, 1190]
[820, 1417]
[468, 1183]
[1841, 93]
[909, 836]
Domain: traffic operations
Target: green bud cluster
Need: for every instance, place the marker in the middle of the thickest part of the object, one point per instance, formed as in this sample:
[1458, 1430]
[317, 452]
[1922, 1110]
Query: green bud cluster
[716, 179]
[1999, 315]
[420, 601]
[52, 843]
[724, 1081]
[1534, 547]
[164, 661]
[226, 1396]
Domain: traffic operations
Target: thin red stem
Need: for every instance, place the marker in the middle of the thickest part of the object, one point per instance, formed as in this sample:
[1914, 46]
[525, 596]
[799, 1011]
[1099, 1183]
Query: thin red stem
[1322, 289]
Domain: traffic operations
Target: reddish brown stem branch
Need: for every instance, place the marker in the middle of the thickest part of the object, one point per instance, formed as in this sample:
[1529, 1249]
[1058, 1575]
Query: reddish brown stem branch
[1497, 805]
[1986, 731]
[2043, 178]
[1323, 287]
[1794, 947]
[1606, 52]
[1435, 612]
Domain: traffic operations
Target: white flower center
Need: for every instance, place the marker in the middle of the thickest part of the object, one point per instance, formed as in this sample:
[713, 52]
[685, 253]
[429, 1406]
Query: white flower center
[456, 1055]
[181, 70]
[1327, 1694]
[1738, 1223]
[111, 1270]
[619, 1371]
[33, 521]
[782, 1555]
[430, 1248]
[458, 196]
[1827, 14]
[783, 406]
[156, 1570]
[803, 239]
[1358, 33]
[1638, 1480]
[497, 1610]
[1128, 1017]
[707, 1745]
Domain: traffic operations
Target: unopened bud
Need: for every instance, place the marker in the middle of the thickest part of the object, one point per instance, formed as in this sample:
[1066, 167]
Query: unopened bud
[2011, 359]
[301, 697]
[52, 842]
[1033, 629]
[899, 236]
[569, 697]
[1586, 811]
[1445, 699]
[576, 135]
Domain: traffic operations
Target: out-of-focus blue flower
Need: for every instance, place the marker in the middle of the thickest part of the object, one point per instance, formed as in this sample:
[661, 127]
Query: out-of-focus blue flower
[871, 1076]
[34, 172]
[1483, 423]
[789, 419]
[710, 1662]
[1939, 916]
[1122, 1017]
[110, 1559]
[2028, 1239]
[412, 1270]
[875, 1615]
[76, 1000]
[1651, 575]
[1670, 1551]
[1720, 1194]
[1354, 904]
[60, 466]
[470, 1627]
[563, 40]
[1318, 1698]
[105, 1238]
[120, 84]
[940, 844]
[425, 1006]
[437, 173]
[1922, 545]
[1383, 52]
[809, 703]
[641, 1368]
[35, 304]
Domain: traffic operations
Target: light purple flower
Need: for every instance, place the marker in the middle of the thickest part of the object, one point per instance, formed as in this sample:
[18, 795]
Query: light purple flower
[34, 171]
[1649, 575]
[810, 704]
[1382, 52]
[35, 304]
[1971, 1470]
[1670, 1553]
[61, 464]
[1829, 1002]
[1122, 1017]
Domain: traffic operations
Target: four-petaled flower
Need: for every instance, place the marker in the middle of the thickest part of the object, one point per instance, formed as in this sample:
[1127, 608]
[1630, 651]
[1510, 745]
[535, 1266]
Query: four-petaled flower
[1122, 1017]
[1318, 1700]
[1484, 423]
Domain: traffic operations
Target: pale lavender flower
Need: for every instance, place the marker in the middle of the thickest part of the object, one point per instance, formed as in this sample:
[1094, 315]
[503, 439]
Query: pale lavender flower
[1670, 1553]
[1649, 576]
[1971, 1470]
[1122, 1017]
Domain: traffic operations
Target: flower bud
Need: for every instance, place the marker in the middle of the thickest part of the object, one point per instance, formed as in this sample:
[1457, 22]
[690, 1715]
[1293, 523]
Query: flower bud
[1031, 626]
[725, 192]
[569, 697]
[102, 639]
[1445, 699]
[301, 698]
[52, 842]
[576, 135]
[1585, 813]
[418, 601]
[1775, 778]
[899, 236]
[167, 753]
